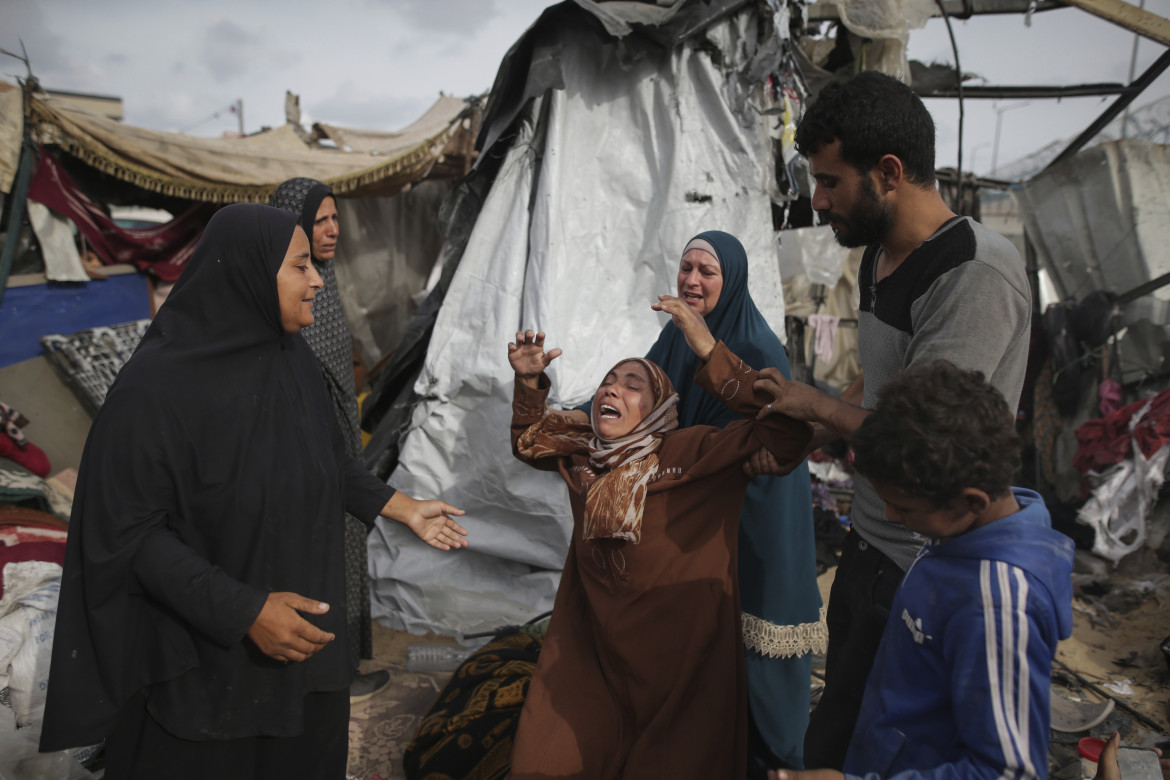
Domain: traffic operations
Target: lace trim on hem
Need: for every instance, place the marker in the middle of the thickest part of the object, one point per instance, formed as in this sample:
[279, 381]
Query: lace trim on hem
[773, 641]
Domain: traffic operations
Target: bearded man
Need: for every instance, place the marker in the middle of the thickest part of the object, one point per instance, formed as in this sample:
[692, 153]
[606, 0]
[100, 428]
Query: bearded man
[933, 285]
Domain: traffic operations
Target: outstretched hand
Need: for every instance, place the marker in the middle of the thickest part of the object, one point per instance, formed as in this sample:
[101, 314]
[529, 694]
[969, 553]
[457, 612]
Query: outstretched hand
[429, 520]
[689, 322]
[527, 355]
[281, 633]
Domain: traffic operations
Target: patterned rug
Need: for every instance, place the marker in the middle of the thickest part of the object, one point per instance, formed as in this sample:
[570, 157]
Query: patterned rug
[382, 726]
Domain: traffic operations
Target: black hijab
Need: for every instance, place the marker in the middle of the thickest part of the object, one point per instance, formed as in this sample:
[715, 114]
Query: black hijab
[213, 475]
[302, 196]
[329, 336]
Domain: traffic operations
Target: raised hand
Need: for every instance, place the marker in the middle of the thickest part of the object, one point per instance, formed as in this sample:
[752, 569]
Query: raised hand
[690, 322]
[527, 355]
[281, 633]
[429, 520]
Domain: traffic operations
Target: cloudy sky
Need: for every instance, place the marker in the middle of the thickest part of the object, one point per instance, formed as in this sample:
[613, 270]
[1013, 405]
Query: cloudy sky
[1062, 47]
[379, 64]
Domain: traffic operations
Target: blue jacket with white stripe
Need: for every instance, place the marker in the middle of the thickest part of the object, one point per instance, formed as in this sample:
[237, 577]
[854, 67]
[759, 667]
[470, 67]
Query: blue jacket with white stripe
[960, 685]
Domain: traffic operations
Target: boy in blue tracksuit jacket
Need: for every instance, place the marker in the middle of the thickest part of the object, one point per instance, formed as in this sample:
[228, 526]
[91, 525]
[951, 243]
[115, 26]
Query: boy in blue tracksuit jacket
[961, 682]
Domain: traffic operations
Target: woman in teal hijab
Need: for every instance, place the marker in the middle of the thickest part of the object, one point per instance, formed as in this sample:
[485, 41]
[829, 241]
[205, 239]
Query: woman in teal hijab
[781, 604]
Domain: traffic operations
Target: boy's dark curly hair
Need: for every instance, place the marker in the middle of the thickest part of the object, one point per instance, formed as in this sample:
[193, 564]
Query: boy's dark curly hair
[873, 115]
[938, 429]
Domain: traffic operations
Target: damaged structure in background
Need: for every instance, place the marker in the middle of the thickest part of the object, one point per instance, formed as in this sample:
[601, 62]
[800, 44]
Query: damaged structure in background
[76, 164]
[613, 132]
[671, 121]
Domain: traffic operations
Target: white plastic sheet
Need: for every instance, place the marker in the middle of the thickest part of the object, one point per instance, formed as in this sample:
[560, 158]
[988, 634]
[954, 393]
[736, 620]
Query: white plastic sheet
[1101, 219]
[1122, 500]
[55, 234]
[815, 253]
[581, 231]
[28, 613]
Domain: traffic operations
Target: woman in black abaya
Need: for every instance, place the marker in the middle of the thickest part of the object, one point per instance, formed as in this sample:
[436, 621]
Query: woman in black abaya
[332, 345]
[201, 624]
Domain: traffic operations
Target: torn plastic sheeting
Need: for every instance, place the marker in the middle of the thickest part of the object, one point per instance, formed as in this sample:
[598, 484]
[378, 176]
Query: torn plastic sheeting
[578, 247]
[28, 612]
[1121, 503]
[884, 18]
[55, 235]
[1106, 209]
[1120, 687]
[884, 26]
[667, 25]
[813, 252]
[413, 582]
[387, 249]
[407, 590]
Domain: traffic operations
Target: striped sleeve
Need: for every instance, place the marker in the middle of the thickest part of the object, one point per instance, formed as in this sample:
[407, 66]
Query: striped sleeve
[1006, 668]
[998, 650]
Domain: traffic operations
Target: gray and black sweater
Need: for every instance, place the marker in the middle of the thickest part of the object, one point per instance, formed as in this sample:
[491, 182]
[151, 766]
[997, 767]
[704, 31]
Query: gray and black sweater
[962, 295]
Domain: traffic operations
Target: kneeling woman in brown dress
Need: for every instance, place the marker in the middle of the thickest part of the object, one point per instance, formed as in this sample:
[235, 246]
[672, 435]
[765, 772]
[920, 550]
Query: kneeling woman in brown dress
[642, 672]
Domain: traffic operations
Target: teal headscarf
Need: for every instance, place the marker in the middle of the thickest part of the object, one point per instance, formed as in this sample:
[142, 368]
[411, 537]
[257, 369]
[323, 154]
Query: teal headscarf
[777, 554]
[735, 321]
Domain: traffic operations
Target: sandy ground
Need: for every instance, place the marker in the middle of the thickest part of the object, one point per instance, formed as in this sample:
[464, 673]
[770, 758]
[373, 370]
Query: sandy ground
[1120, 617]
[1116, 637]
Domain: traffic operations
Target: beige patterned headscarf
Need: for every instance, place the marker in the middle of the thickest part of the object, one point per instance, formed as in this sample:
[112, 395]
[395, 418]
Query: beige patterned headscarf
[621, 469]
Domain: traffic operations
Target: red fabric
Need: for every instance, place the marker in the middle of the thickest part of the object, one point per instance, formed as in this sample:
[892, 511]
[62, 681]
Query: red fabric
[162, 250]
[27, 517]
[30, 455]
[1106, 440]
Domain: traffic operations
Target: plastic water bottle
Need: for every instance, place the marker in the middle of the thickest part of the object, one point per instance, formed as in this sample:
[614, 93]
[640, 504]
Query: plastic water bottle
[436, 658]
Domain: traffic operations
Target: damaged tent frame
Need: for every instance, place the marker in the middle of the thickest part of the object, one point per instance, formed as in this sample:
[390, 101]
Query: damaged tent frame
[1132, 18]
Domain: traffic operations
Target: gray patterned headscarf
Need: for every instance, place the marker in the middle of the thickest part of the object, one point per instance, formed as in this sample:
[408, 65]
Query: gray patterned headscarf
[329, 335]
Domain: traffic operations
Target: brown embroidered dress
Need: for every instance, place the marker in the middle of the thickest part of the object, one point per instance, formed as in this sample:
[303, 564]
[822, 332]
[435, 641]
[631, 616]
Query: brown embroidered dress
[642, 673]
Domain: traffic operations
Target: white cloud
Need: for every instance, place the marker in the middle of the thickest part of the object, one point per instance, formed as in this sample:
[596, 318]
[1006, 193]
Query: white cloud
[53, 60]
[352, 105]
[229, 49]
[460, 17]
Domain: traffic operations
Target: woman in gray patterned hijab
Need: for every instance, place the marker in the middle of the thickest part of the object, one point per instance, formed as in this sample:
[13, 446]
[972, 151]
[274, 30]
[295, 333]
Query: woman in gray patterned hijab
[332, 343]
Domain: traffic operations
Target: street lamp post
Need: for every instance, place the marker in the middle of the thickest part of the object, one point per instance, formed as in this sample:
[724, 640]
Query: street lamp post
[999, 123]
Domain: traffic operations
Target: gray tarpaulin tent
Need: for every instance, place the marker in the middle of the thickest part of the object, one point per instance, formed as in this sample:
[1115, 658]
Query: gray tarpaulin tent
[614, 133]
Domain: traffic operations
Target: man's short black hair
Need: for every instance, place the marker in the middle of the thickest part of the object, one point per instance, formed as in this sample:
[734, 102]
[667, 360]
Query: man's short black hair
[938, 429]
[872, 114]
